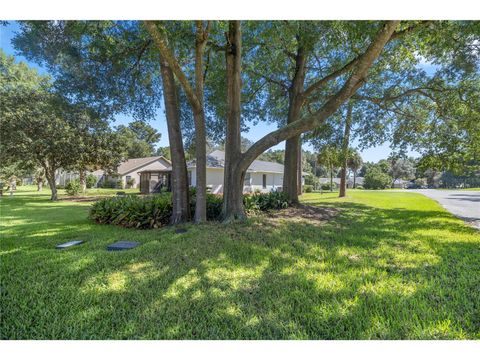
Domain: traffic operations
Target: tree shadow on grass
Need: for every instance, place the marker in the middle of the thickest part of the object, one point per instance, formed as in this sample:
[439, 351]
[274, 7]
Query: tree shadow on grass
[368, 273]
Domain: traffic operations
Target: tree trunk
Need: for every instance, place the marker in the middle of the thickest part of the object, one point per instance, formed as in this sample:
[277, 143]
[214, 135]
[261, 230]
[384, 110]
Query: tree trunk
[299, 167]
[354, 178]
[39, 184]
[199, 119]
[344, 157]
[50, 175]
[331, 179]
[201, 167]
[292, 164]
[179, 177]
[290, 178]
[234, 174]
[83, 181]
[195, 99]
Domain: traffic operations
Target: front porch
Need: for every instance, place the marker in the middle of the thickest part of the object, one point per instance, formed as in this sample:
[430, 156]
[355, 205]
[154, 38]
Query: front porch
[153, 181]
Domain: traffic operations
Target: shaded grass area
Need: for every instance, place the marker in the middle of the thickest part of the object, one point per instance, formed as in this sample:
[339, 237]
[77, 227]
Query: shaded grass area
[390, 265]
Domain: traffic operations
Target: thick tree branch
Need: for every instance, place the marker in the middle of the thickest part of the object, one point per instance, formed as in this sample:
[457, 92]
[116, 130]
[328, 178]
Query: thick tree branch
[352, 63]
[420, 90]
[355, 81]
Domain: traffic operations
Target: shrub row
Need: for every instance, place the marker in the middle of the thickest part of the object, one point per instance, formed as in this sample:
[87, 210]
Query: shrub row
[155, 211]
[133, 211]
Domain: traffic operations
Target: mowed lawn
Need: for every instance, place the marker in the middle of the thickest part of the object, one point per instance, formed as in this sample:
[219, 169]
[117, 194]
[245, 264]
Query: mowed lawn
[390, 265]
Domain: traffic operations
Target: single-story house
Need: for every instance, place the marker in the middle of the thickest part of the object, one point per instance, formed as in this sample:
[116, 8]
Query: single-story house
[149, 169]
[145, 173]
[151, 174]
[336, 181]
[264, 176]
[400, 184]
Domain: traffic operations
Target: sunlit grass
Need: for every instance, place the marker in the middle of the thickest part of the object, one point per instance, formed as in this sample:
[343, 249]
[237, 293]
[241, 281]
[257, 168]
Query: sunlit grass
[390, 265]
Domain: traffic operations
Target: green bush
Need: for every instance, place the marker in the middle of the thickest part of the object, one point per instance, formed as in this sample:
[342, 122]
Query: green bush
[155, 211]
[266, 201]
[132, 211]
[308, 188]
[325, 187]
[120, 184]
[214, 205]
[376, 179]
[73, 187]
[108, 184]
[91, 181]
[359, 187]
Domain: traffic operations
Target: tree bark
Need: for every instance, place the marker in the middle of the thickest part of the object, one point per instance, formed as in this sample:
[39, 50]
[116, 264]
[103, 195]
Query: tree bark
[83, 181]
[39, 184]
[331, 178]
[200, 132]
[299, 167]
[234, 176]
[354, 178]
[50, 175]
[179, 178]
[345, 143]
[195, 99]
[292, 163]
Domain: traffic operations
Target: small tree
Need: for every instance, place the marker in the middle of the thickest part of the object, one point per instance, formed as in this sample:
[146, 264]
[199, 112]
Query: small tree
[401, 169]
[355, 162]
[140, 139]
[376, 179]
[91, 181]
[34, 121]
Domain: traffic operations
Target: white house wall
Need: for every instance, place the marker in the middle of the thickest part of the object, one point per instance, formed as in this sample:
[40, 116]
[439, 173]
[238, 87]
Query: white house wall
[274, 181]
[215, 181]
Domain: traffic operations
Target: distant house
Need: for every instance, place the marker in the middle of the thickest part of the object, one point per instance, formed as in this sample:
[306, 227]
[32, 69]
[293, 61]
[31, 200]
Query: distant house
[151, 168]
[400, 184]
[358, 181]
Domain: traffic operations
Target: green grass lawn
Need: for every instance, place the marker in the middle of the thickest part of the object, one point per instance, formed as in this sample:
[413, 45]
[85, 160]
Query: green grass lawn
[390, 265]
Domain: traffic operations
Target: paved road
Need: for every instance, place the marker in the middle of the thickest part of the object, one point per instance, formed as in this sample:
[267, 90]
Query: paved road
[463, 204]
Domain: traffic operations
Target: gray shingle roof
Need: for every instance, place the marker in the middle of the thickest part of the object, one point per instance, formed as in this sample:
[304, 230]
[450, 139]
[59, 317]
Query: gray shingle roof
[132, 164]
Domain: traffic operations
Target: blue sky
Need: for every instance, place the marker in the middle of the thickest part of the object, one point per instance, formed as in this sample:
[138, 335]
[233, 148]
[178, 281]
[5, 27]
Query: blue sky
[255, 132]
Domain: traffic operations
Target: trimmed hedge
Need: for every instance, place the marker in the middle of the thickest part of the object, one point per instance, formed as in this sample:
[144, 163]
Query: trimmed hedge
[155, 211]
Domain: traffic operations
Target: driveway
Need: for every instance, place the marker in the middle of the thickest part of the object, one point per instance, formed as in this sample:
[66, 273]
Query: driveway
[463, 204]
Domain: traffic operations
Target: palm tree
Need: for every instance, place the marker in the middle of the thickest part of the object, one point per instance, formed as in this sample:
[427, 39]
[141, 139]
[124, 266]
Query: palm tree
[355, 162]
[329, 156]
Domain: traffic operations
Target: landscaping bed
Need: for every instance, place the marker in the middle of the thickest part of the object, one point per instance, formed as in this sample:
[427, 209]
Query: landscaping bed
[155, 211]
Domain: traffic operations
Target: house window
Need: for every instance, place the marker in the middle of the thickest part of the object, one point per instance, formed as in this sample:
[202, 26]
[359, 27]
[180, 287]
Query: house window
[189, 178]
[127, 178]
[264, 181]
[246, 182]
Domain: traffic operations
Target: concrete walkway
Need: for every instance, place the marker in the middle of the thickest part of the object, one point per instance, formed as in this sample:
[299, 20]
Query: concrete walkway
[463, 204]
